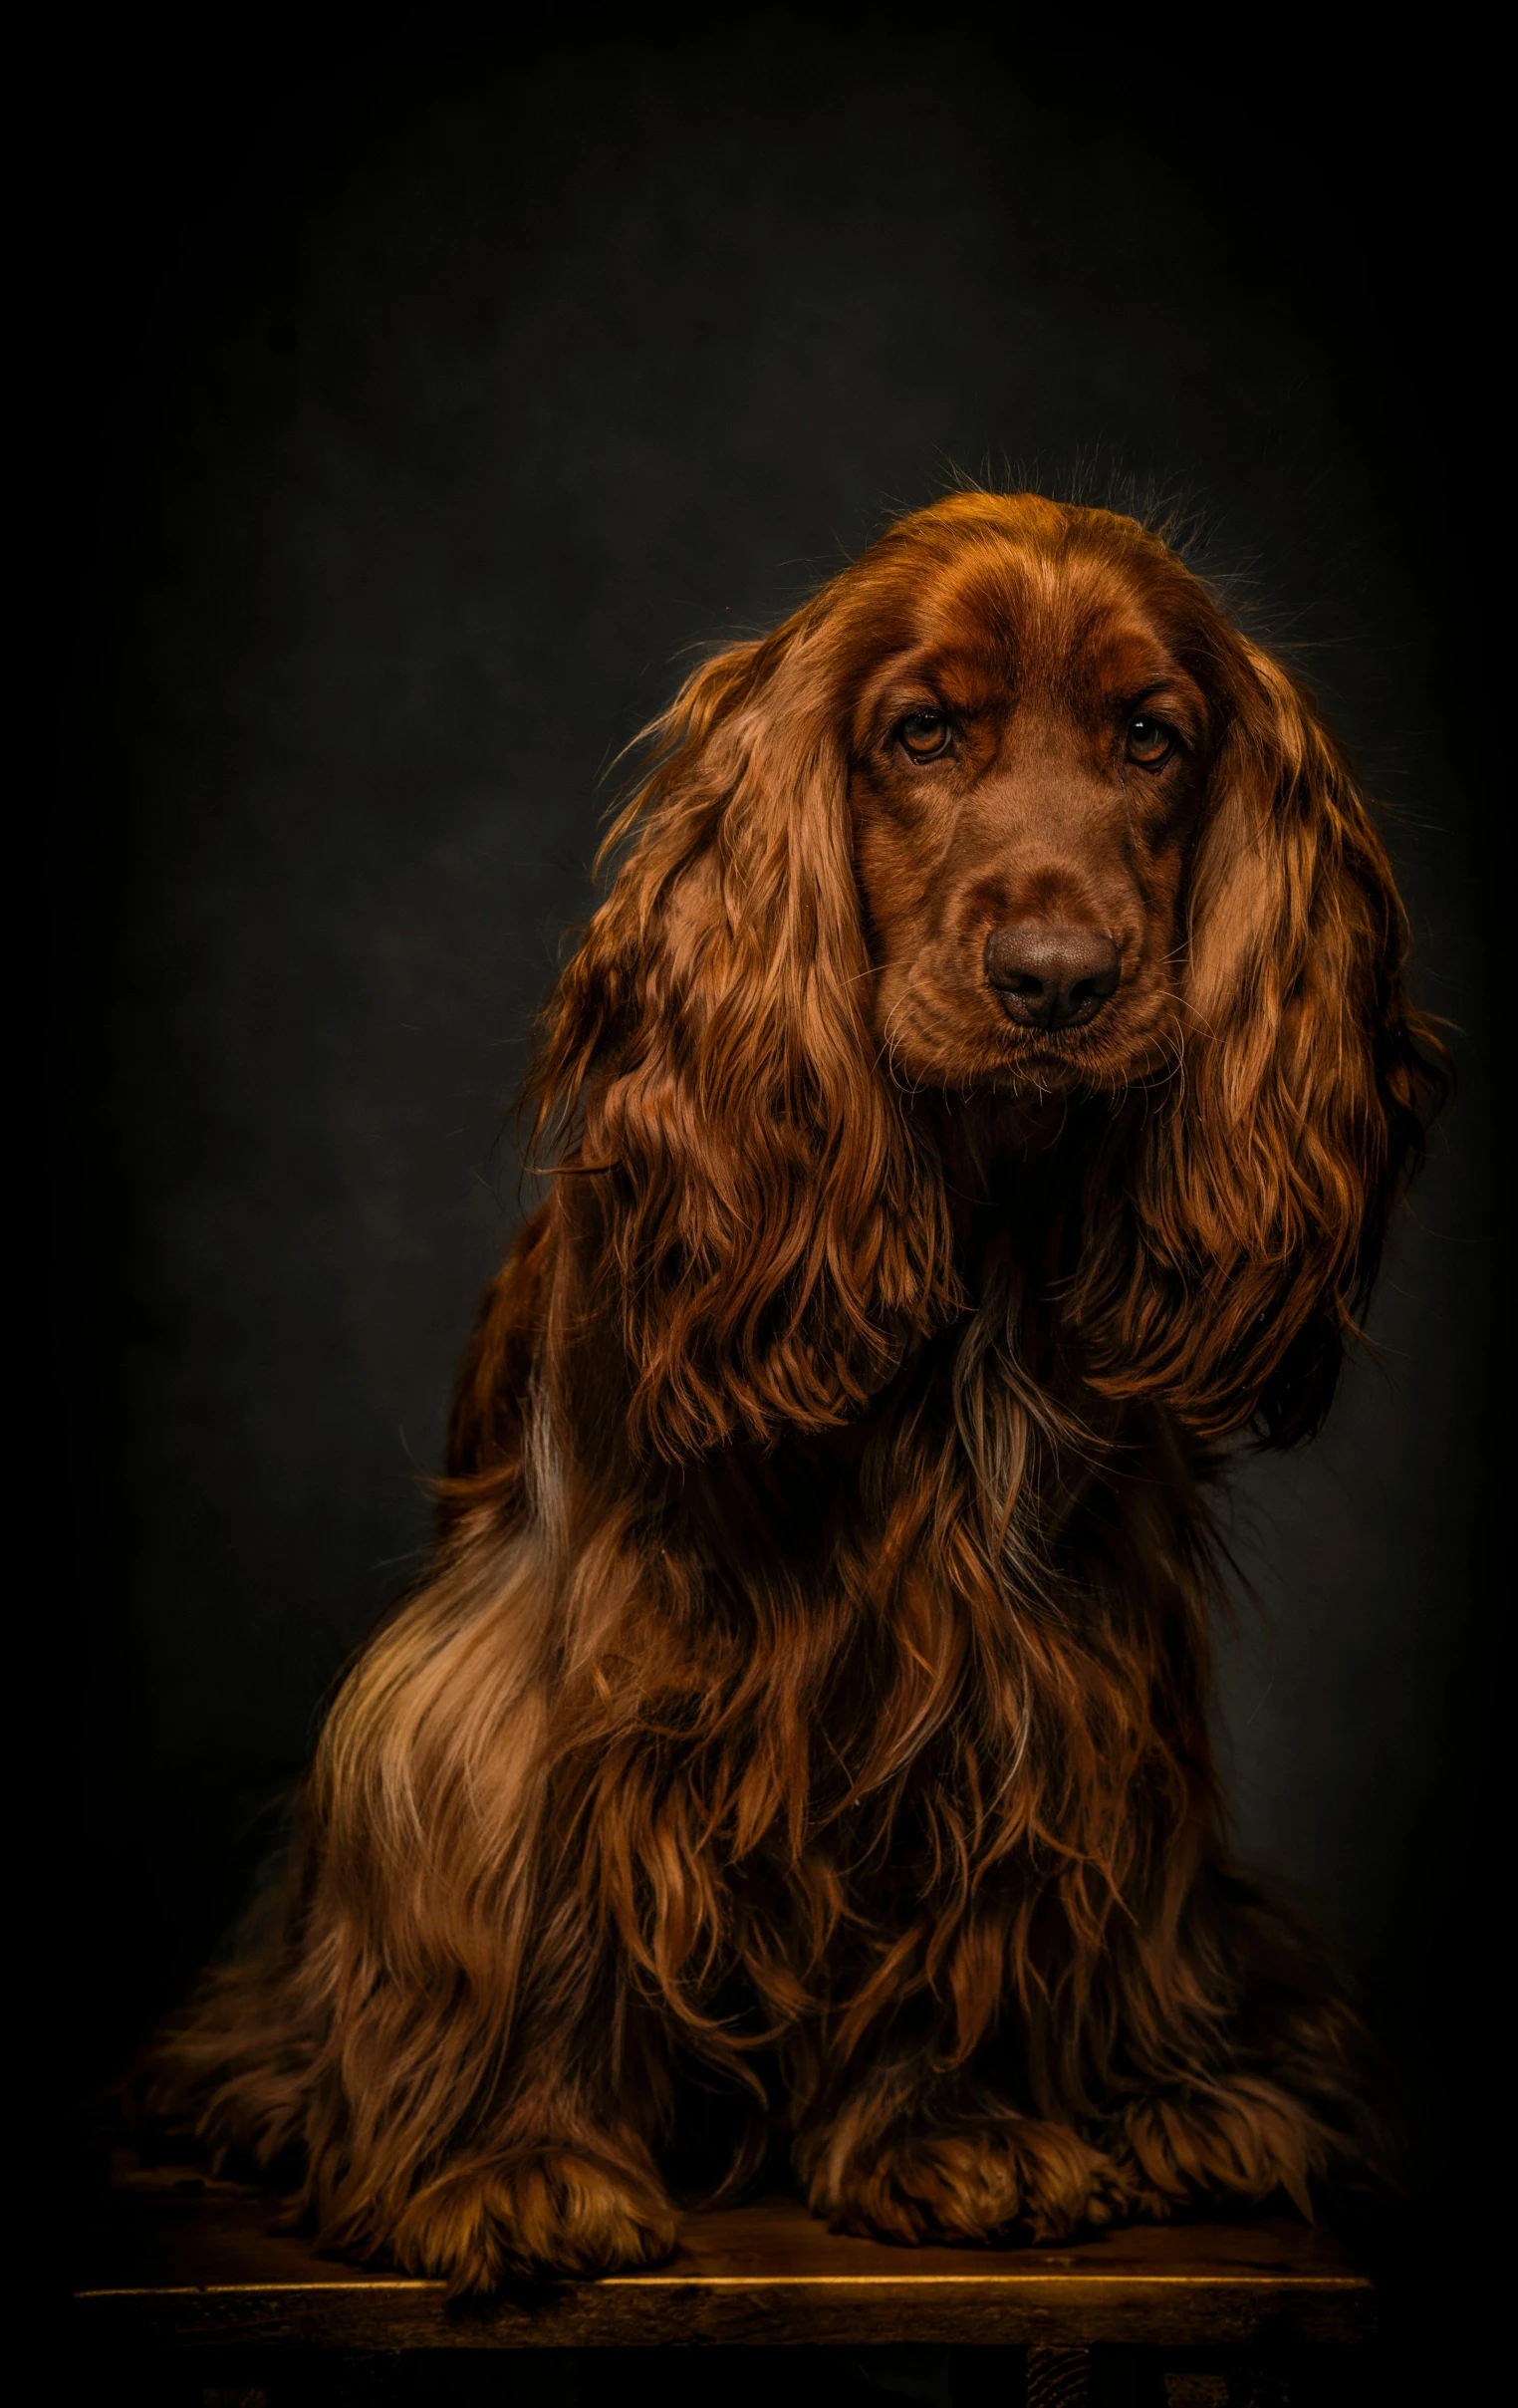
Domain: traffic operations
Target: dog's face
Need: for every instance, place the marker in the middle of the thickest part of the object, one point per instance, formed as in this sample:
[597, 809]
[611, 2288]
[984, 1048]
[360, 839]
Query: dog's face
[1030, 746]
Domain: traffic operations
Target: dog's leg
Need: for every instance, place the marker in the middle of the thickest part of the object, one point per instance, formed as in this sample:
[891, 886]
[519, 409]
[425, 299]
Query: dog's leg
[1291, 2121]
[1241, 2139]
[553, 2175]
[906, 2158]
[569, 2193]
[1277, 2097]
[462, 2063]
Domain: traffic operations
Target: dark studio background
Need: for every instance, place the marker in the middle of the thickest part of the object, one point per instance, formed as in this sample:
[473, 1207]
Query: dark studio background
[419, 403]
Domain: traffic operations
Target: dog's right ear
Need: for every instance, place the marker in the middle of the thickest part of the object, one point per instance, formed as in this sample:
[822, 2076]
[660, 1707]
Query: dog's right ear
[770, 1236]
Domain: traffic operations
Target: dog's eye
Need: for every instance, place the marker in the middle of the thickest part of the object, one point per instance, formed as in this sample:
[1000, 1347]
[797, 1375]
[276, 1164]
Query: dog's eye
[1150, 742]
[925, 733]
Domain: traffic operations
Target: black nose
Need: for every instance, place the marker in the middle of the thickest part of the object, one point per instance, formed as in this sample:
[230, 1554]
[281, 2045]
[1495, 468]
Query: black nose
[1051, 977]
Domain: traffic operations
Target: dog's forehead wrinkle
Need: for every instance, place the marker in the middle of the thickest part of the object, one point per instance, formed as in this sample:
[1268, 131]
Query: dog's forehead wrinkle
[1028, 628]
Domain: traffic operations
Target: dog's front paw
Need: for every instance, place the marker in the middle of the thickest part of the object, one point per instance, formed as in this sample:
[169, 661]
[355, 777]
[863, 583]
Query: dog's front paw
[557, 2212]
[974, 2183]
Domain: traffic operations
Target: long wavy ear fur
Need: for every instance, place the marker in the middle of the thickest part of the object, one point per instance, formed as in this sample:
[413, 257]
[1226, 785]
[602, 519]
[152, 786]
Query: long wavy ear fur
[769, 1233]
[1229, 1276]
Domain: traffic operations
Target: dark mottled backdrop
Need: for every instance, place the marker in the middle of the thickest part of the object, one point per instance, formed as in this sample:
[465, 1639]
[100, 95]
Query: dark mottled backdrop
[433, 401]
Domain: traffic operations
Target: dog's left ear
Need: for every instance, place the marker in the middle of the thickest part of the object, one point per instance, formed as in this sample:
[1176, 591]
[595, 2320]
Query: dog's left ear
[1230, 1274]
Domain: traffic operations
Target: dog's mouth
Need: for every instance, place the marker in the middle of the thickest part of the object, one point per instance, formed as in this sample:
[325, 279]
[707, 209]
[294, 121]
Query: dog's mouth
[1043, 1021]
[1072, 1027]
[1117, 1043]
[965, 1033]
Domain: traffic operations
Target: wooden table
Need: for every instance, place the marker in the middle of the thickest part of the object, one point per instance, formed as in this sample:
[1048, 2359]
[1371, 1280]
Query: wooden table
[181, 2266]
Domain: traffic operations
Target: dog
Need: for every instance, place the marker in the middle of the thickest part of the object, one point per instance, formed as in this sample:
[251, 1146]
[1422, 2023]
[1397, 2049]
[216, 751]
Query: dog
[979, 1098]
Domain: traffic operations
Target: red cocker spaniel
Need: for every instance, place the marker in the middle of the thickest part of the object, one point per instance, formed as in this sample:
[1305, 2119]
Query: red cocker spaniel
[980, 1094]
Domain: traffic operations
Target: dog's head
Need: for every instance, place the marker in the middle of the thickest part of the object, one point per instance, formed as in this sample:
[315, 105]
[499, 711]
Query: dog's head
[1034, 700]
[1009, 808]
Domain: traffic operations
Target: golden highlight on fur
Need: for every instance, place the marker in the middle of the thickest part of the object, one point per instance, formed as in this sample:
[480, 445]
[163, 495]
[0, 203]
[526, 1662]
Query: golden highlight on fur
[798, 1749]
